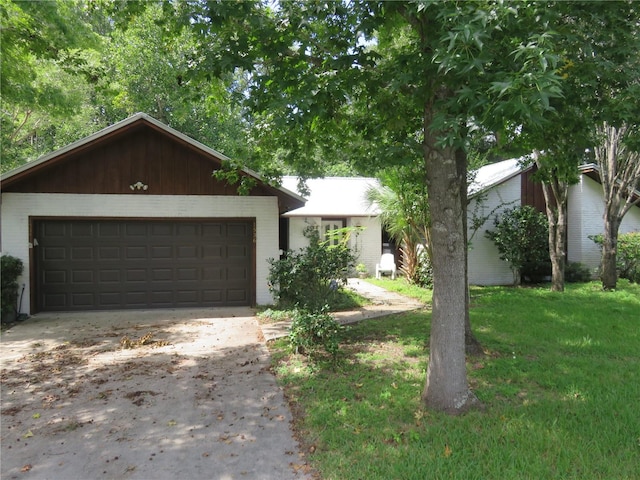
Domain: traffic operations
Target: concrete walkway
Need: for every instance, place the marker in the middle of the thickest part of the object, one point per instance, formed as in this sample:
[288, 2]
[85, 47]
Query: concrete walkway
[383, 302]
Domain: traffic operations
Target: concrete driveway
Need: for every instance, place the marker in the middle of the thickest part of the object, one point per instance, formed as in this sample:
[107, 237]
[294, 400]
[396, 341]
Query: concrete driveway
[161, 394]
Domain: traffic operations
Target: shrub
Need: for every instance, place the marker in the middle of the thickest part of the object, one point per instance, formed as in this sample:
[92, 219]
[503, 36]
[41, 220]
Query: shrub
[10, 269]
[522, 237]
[424, 272]
[312, 330]
[628, 255]
[310, 278]
[576, 272]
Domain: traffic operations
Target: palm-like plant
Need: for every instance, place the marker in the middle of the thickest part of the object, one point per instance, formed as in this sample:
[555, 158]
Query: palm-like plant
[404, 213]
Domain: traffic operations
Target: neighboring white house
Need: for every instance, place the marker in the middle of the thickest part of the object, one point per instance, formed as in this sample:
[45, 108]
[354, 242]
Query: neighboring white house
[506, 184]
[337, 202]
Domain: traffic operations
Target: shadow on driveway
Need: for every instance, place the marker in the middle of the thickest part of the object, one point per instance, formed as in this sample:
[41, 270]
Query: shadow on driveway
[143, 395]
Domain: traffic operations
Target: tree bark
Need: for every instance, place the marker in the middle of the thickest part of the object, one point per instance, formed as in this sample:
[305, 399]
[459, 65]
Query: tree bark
[447, 388]
[556, 193]
[619, 175]
[610, 251]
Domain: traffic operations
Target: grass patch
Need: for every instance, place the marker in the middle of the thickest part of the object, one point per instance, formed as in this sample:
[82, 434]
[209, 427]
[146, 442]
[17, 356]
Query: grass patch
[400, 285]
[560, 382]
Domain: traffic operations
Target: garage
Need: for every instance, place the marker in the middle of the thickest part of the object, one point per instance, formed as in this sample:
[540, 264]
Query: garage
[134, 217]
[115, 264]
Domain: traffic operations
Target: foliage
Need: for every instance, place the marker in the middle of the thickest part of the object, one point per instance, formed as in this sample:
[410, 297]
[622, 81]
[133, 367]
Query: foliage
[310, 278]
[50, 63]
[147, 71]
[11, 269]
[542, 394]
[313, 330]
[521, 236]
[404, 213]
[424, 272]
[576, 272]
[628, 255]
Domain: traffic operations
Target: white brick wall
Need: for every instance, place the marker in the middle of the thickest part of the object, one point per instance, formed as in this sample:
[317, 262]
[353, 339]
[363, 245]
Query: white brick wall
[16, 208]
[485, 266]
[585, 211]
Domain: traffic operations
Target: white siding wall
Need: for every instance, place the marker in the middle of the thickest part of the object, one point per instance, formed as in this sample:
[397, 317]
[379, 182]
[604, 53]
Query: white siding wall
[485, 266]
[367, 245]
[16, 208]
[297, 240]
[585, 210]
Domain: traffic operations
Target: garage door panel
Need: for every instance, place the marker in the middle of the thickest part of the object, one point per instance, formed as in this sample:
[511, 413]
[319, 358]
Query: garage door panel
[236, 295]
[136, 229]
[82, 300]
[82, 276]
[109, 253]
[81, 230]
[212, 252]
[114, 264]
[186, 252]
[165, 252]
[54, 277]
[109, 276]
[138, 252]
[54, 253]
[55, 301]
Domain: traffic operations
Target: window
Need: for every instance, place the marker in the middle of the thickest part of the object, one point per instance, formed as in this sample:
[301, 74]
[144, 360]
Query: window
[330, 224]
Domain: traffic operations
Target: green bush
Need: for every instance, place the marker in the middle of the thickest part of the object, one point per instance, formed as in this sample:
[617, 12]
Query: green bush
[310, 278]
[10, 269]
[311, 331]
[576, 272]
[522, 237]
[628, 255]
[424, 272]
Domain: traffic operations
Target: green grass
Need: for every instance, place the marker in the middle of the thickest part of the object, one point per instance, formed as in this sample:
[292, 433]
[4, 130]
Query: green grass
[403, 287]
[560, 385]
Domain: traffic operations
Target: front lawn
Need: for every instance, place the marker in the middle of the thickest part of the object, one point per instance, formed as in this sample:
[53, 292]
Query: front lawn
[560, 384]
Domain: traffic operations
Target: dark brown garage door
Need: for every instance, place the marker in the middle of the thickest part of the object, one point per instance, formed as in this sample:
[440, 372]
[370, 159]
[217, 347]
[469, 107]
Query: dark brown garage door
[115, 264]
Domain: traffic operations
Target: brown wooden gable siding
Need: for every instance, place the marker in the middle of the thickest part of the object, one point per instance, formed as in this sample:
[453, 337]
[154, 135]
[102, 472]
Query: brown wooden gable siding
[142, 154]
[138, 152]
[531, 192]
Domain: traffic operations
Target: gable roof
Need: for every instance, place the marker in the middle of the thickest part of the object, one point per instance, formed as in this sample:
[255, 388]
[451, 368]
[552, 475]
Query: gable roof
[30, 169]
[493, 174]
[334, 197]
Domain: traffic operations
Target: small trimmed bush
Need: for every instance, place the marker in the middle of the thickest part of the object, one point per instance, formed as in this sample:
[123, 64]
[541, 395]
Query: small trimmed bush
[311, 331]
[576, 272]
[311, 277]
[521, 235]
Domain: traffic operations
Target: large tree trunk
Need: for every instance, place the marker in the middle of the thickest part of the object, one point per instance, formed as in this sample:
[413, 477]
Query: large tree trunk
[447, 388]
[610, 251]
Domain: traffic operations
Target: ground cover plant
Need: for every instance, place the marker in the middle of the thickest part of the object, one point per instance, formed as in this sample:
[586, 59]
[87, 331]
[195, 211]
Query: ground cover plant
[560, 385]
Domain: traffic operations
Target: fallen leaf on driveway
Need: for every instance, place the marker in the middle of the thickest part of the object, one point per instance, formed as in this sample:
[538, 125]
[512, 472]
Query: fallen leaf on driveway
[26, 468]
[29, 434]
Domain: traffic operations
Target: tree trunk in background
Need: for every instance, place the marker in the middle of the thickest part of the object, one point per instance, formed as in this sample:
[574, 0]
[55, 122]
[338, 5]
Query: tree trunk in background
[446, 386]
[619, 175]
[556, 193]
[471, 343]
[610, 250]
